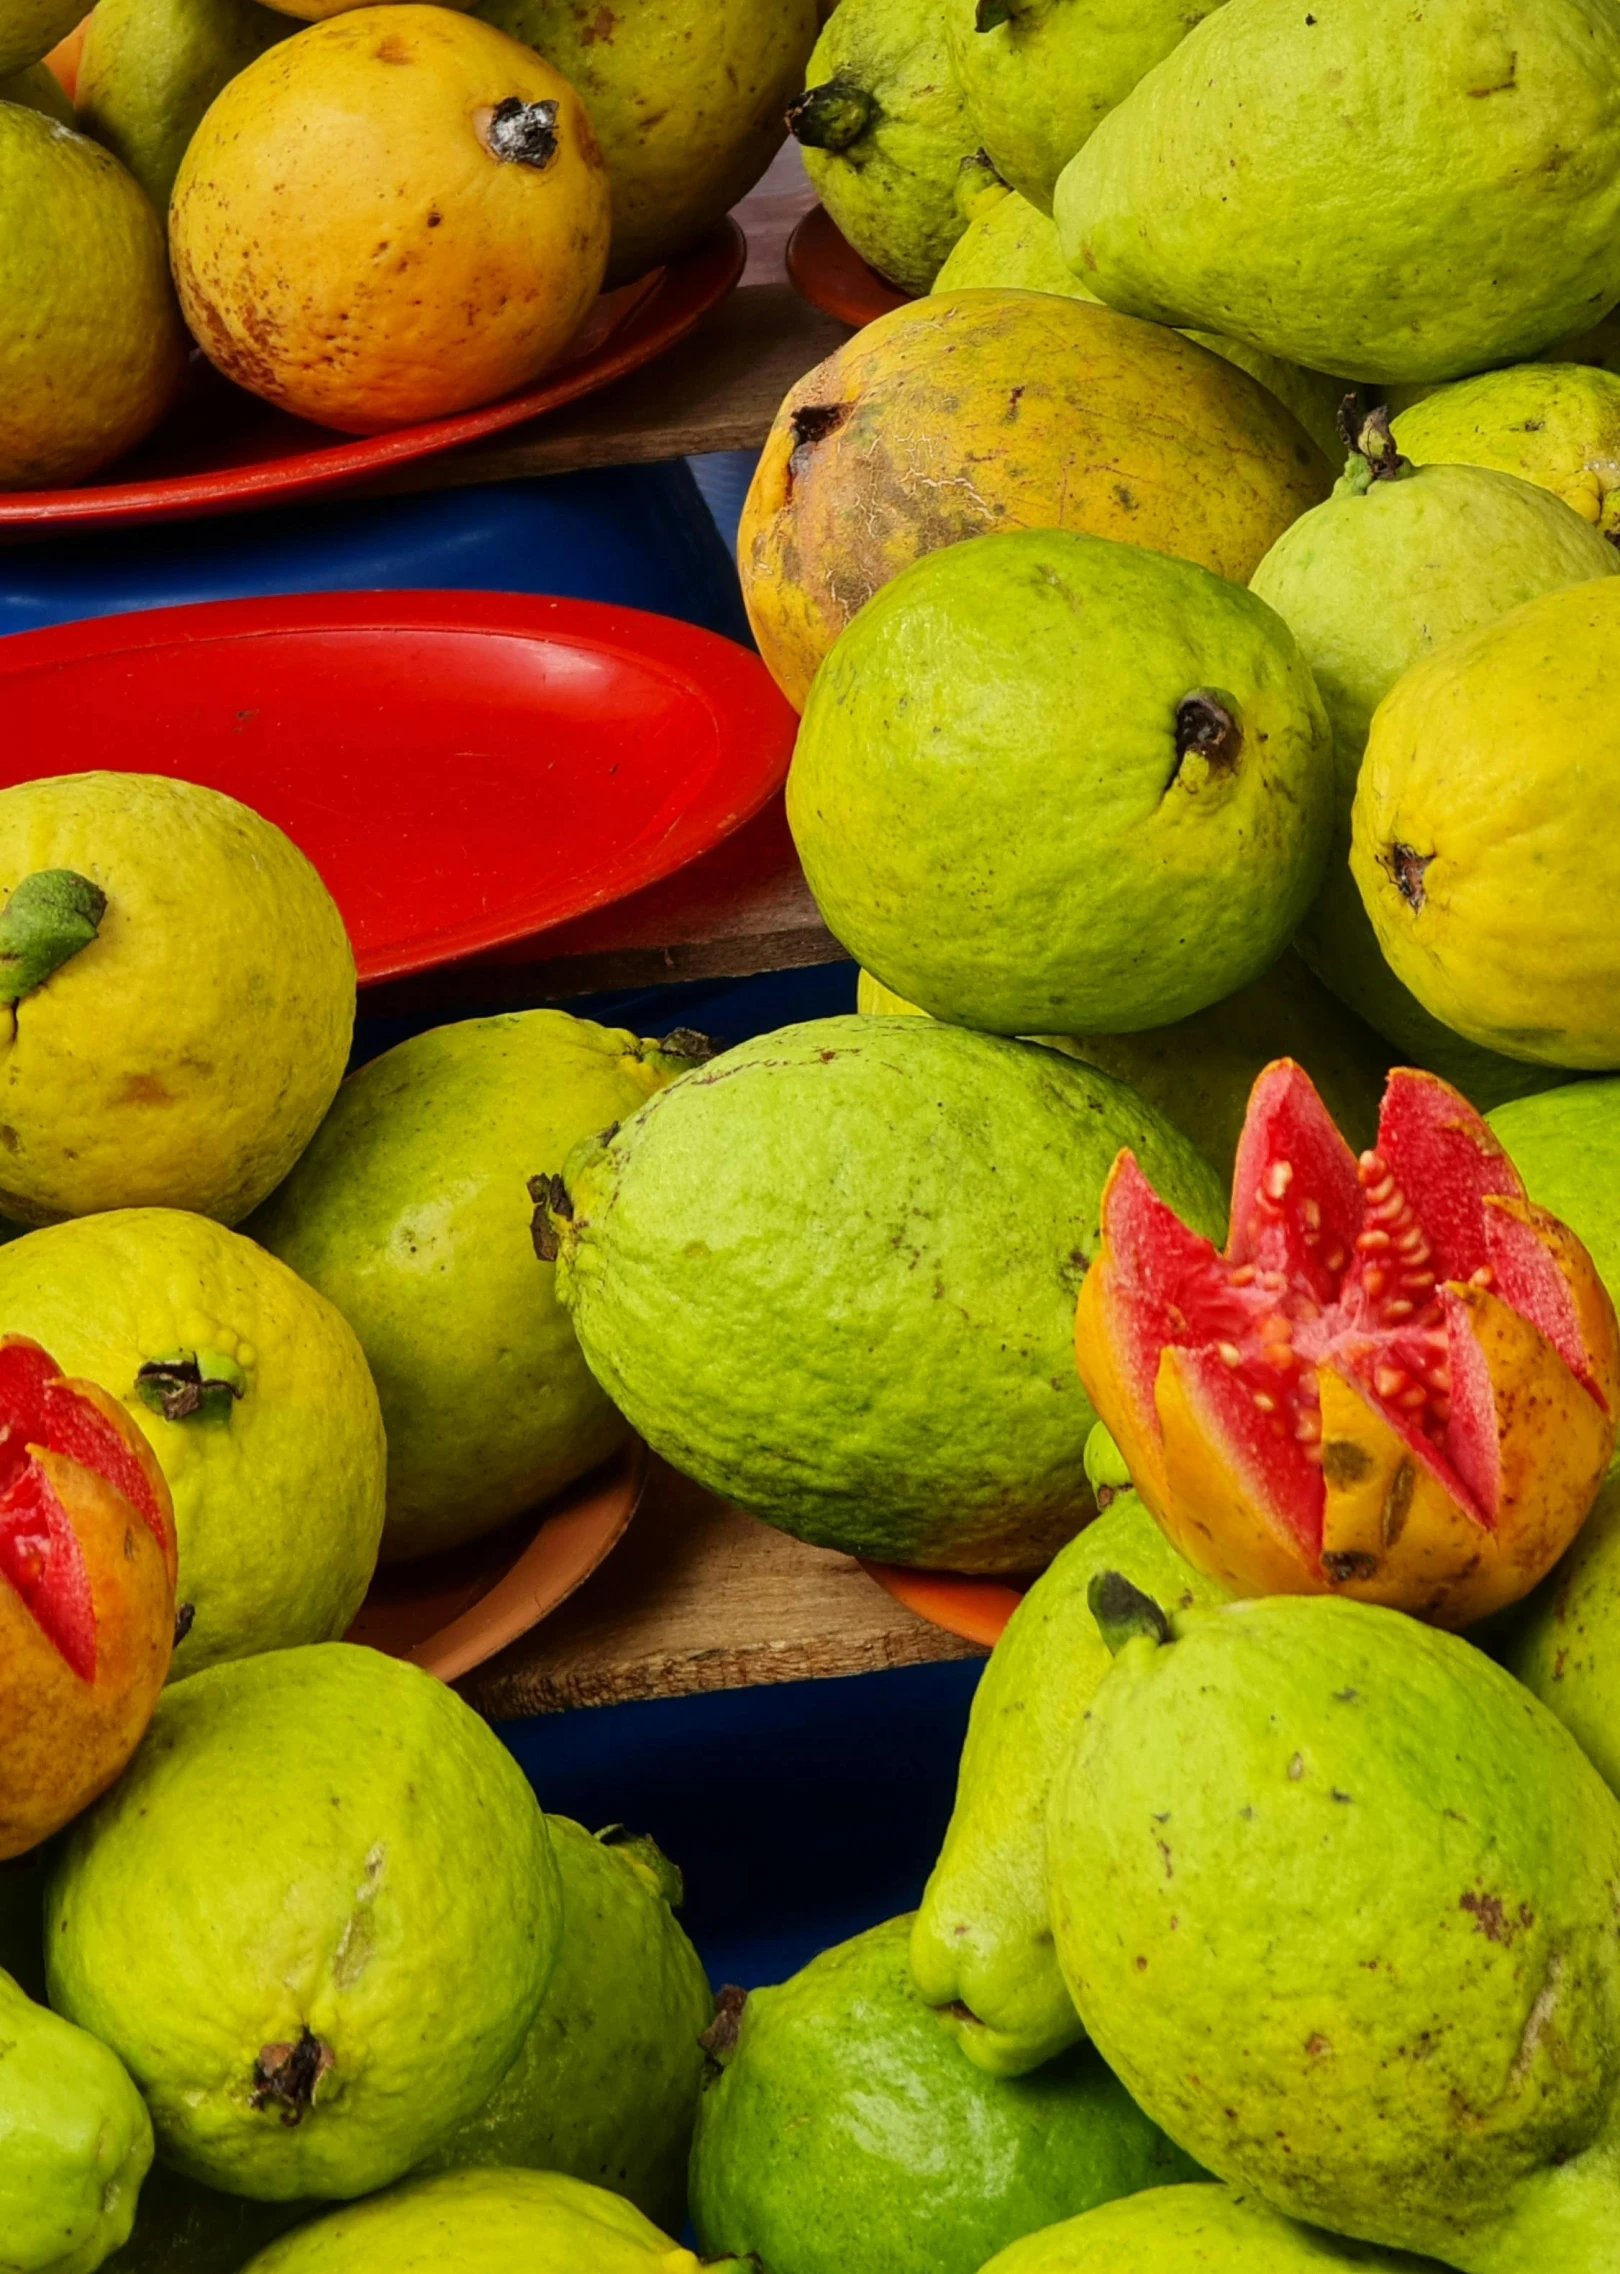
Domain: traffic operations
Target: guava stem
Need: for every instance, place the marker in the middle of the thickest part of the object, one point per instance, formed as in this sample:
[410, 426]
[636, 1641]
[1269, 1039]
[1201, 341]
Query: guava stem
[1369, 440]
[1123, 1612]
[686, 1042]
[183, 1386]
[719, 2040]
[185, 1618]
[48, 919]
[285, 2077]
[992, 14]
[831, 116]
[523, 134]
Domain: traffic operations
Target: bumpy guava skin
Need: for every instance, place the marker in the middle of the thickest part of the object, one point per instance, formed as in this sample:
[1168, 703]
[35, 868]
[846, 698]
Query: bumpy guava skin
[1555, 424]
[1191, 2230]
[1336, 1897]
[1565, 1144]
[150, 68]
[832, 1275]
[1334, 237]
[1567, 1649]
[846, 2130]
[75, 2143]
[981, 1946]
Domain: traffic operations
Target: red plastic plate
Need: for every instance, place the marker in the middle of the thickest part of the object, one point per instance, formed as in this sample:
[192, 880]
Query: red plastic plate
[825, 269]
[975, 1609]
[220, 449]
[465, 769]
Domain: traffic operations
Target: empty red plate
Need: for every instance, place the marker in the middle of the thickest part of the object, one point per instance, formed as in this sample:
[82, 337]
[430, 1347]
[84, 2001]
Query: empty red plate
[465, 769]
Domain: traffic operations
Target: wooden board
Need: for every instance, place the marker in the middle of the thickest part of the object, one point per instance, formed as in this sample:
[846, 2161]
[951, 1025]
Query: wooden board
[699, 1596]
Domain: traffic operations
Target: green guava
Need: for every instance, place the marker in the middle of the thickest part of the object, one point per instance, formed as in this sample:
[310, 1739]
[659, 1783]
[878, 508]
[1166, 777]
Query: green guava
[1039, 75]
[884, 130]
[1398, 561]
[1567, 1647]
[1200, 1071]
[257, 1401]
[182, 2228]
[1336, 237]
[410, 1212]
[29, 29]
[483, 2222]
[688, 104]
[1486, 858]
[1190, 2230]
[1335, 1897]
[606, 2085]
[1555, 424]
[150, 68]
[37, 89]
[981, 1947]
[832, 1276]
[845, 2130]
[1050, 783]
[315, 1919]
[1010, 244]
[75, 2143]
[1565, 1143]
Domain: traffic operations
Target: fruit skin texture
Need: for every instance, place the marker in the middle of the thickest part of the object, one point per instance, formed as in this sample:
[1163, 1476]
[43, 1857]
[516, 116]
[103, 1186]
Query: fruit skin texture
[1002, 812]
[1512, 242]
[1189, 2230]
[410, 1212]
[1044, 76]
[29, 29]
[884, 131]
[75, 2143]
[688, 105]
[1487, 860]
[186, 1056]
[889, 1218]
[982, 1938]
[1380, 576]
[375, 134]
[1060, 412]
[1009, 244]
[150, 69]
[1199, 1072]
[1369, 1839]
[483, 2222]
[82, 1660]
[846, 2130]
[278, 1493]
[1565, 1650]
[315, 11]
[606, 2086]
[1565, 1143]
[94, 350]
[1272, 1432]
[1555, 424]
[382, 1894]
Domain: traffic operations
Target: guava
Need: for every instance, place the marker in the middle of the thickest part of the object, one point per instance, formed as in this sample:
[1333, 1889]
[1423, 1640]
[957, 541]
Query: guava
[1565, 1143]
[1190, 2230]
[1009, 243]
[884, 130]
[254, 1395]
[1398, 561]
[689, 106]
[1334, 1895]
[1400, 1379]
[485, 2222]
[315, 1919]
[1486, 859]
[29, 29]
[1565, 1651]
[973, 413]
[410, 1213]
[832, 1277]
[1051, 784]
[1199, 1072]
[75, 2143]
[606, 2086]
[150, 68]
[981, 1945]
[1334, 237]
[87, 1566]
[1554, 424]
[37, 89]
[1039, 75]
[176, 997]
[844, 2129]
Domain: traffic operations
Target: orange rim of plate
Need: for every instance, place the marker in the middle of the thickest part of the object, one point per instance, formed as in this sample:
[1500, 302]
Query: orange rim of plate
[977, 1610]
[825, 269]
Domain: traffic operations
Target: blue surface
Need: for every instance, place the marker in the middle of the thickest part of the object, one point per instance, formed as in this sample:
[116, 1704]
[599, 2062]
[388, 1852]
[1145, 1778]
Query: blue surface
[640, 536]
[800, 1815]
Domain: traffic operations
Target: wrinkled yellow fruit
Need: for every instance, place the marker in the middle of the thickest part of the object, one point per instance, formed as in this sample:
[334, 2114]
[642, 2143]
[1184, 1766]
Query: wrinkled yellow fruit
[397, 214]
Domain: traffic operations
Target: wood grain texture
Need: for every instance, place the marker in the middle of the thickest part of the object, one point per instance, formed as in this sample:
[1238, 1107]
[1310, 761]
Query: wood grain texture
[699, 1596]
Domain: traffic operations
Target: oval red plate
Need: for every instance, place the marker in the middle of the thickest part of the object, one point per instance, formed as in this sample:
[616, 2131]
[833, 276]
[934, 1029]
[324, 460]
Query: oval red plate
[465, 769]
[975, 1609]
[825, 269]
[220, 449]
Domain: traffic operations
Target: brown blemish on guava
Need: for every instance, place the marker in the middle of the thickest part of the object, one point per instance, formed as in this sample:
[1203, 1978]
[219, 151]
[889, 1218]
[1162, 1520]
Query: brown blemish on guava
[600, 27]
[719, 2040]
[185, 1618]
[520, 133]
[1345, 1463]
[1408, 867]
[810, 425]
[1493, 1919]
[550, 1197]
[1398, 1503]
[287, 2076]
[392, 49]
[1345, 1564]
[1205, 728]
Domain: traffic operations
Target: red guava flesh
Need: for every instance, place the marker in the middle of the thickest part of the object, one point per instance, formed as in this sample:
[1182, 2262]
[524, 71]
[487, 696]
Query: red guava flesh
[1351, 1264]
